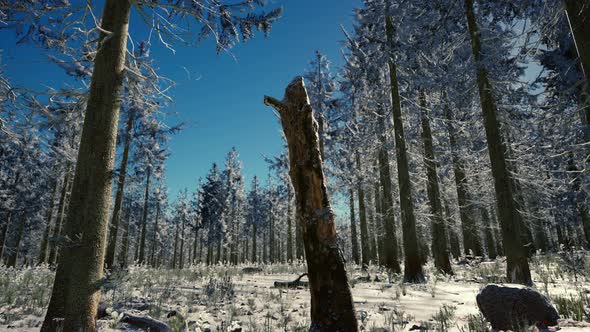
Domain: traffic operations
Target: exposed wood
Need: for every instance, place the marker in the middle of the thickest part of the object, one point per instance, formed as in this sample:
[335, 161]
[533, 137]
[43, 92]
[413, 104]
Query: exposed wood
[145, 323]
[332, 307]
[292, 284]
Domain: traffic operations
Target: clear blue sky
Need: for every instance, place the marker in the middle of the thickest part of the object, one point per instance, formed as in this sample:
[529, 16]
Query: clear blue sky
[223, 108]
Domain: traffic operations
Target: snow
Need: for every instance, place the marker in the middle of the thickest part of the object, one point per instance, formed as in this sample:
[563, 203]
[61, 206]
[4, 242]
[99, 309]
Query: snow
[223, 298]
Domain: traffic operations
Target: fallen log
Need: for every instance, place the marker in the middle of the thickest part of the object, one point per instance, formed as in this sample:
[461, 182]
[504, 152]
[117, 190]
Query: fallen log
[251, 270]
[145, 322]
[292, 284]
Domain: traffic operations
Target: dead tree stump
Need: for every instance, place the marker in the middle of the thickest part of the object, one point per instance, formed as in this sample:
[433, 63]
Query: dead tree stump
[332, 307]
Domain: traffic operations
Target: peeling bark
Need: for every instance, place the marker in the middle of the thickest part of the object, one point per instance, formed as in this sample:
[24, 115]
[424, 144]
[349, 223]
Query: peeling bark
[332, 307]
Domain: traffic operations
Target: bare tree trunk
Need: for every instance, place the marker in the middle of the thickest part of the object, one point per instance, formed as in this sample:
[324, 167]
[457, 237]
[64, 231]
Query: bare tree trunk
[440, 249]
[13, 254]
[372, 229]
[389, 251]
[254, 234]
[6, 224]
[145, 215]
[490, 241]
[453, 237]
[365, 251]
[116, 218]
[155, 237]
[80, 268]
[412, 264]
[264, 247]
[381, 238]
[471, 239]
[332, 307]
[579, 202]
[43, 249]
[578, 13]
[181, 256]
[299, 252]
[289, 230]
[61, 216]
[175, 254]
[236, 244]
[3, 232]
[516, 257]
[353, 233]
[271, 238]
[195, 245]
[123, 252]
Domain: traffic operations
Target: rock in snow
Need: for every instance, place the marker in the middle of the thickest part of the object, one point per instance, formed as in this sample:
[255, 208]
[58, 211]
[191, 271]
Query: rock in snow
[507, 307]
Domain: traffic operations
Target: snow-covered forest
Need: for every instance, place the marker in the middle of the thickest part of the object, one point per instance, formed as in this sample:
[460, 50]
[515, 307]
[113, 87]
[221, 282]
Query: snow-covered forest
[447, 152]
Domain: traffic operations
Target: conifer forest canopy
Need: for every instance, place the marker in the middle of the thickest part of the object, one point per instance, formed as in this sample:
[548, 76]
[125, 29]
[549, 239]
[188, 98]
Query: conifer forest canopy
[430, 168]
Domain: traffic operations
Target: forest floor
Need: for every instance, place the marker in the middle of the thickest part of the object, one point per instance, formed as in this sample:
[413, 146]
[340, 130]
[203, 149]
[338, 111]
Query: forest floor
[227, 298]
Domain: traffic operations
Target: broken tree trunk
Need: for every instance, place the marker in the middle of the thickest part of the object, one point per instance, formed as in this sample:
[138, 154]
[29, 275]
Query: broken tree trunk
[332, 307]
[145, 323]
[292, 284]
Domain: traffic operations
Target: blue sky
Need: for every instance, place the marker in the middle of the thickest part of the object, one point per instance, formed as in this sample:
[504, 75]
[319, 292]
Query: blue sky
[221, 99]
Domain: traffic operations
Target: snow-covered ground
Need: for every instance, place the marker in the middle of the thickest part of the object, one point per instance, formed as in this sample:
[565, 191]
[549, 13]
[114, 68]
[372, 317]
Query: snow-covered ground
[224, 298]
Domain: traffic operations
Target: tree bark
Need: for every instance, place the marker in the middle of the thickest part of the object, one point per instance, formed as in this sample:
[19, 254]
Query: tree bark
[353, 233]
[453, 236]
[264, 247]
[56, 237]
[490, 241]
[123, 252]
[13, 254]
[115, 220]
[332, 307]
[289, 230]
[579, 201]
[254, 249]
[271, 238]
[470, 231]
[6, 224]
[379, 220]
[155, 237]
[440, 249]
[299, 252]
[365, 250]
[389, 252]
[516, 257]
[3, 232]
[578, 14]
[175, 254]
[181, 256]
[412, 264]
[145, 215]
[372, 229]
[42, 258]
[80, 268]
